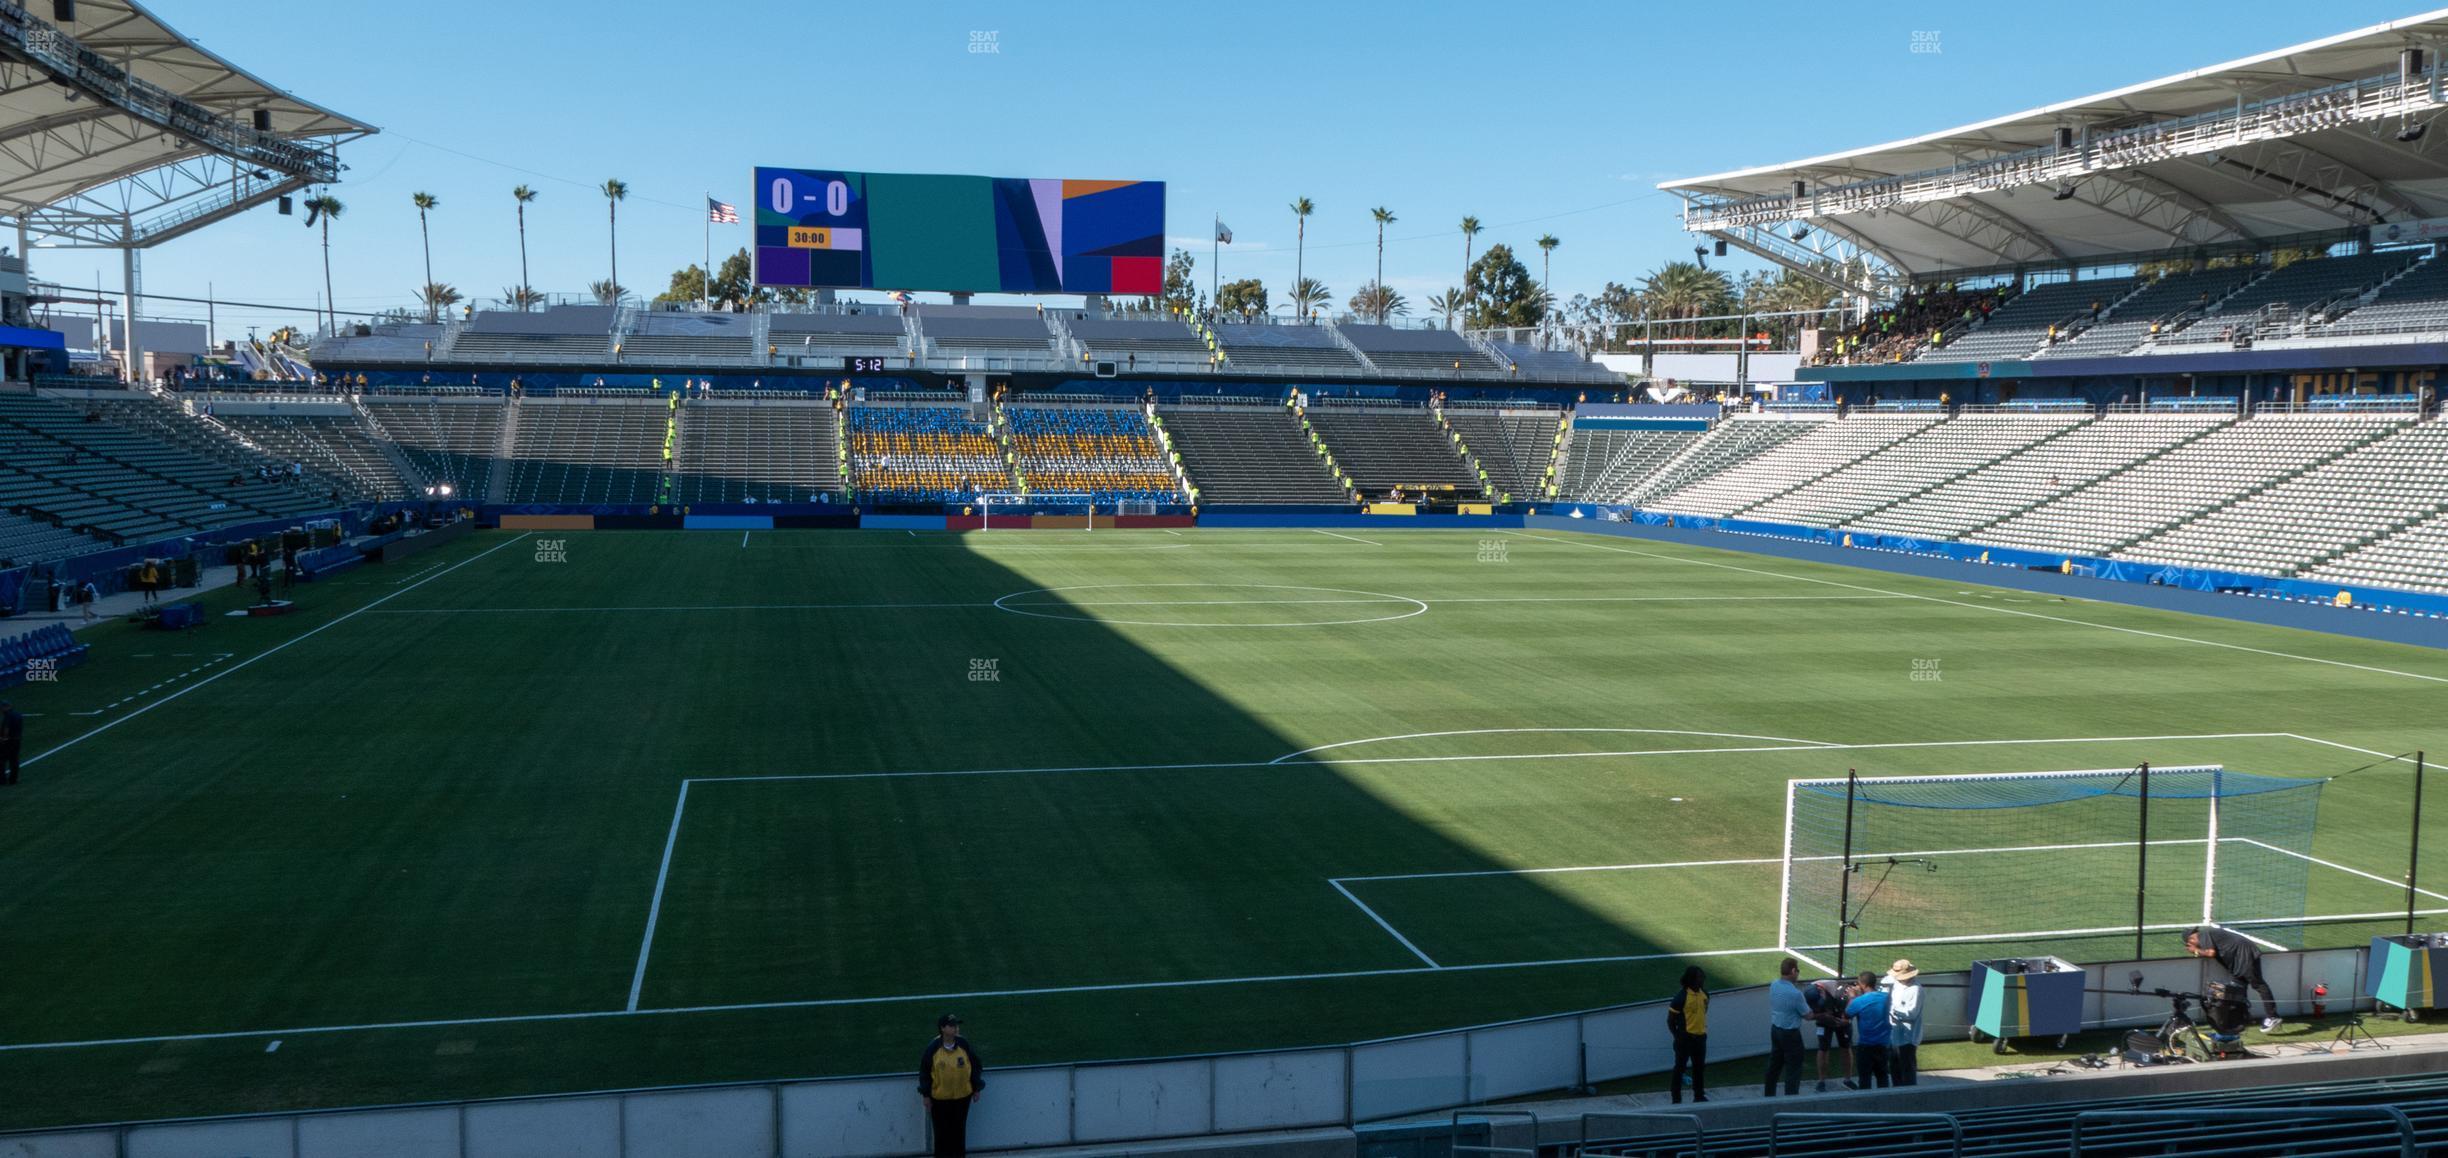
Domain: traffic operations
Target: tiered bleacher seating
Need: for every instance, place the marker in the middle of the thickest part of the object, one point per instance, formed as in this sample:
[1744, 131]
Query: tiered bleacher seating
[87, 472]
[1515, 446]
[54, 643]
[26, 539]
[452, 440]
[1428, 353]
[1108, 453]
[2208, 472]
[2040, 474]
[335, 446]
[768, 450]
[1555, 365]
[1385, 448]
[590, 451]
[2164, 303]
[1132, 341]
[162, 419]
[1603, 465]
[868, 333]
[2416, 301]
[1251, 451]
[682, 339]
[2372, 491]
[566, 334]
[2018, 328]
[1727, 445]
[1256, 348]
[2415, 559]
[2295, 291]
[389, 342]
[1825, 448]
[985, 331]
[923, 454]
[1935, 454]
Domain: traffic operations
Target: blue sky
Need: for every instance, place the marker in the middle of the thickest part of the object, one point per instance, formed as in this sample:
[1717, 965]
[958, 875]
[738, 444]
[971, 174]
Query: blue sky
[1536, 117]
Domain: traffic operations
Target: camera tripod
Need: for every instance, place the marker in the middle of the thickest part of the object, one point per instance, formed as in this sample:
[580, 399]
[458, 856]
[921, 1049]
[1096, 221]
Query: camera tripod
[2352, 1035]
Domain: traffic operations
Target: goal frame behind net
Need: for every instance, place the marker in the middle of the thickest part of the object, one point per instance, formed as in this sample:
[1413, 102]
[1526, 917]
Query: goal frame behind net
[2198, 825]
[1073, 502]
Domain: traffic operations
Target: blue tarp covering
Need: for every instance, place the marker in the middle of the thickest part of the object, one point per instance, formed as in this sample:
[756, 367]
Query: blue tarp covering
[24, 338]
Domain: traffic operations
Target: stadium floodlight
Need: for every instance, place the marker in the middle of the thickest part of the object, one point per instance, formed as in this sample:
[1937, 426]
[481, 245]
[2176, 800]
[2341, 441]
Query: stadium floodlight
[2064, 192]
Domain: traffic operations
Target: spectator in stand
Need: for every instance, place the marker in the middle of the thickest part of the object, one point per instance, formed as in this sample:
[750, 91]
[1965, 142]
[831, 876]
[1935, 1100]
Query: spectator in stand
[1787, 1009]
[1904, 1023]
[1687, 1020]
[1868, 1010]
[950, 1078]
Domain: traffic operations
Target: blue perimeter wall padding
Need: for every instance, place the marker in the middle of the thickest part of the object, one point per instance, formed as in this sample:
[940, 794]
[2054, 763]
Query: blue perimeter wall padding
[901, 522]
[1818, 545]
[730, 522]
[1364, 522]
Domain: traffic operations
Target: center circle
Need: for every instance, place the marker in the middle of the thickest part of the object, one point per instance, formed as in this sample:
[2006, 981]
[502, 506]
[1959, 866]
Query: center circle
[1210, 605]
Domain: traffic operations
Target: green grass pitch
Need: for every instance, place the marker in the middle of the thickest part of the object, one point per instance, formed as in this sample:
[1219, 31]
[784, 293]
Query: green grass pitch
[695, 807]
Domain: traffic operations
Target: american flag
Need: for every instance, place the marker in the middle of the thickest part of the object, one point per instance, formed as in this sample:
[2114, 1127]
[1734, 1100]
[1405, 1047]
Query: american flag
[721, 214]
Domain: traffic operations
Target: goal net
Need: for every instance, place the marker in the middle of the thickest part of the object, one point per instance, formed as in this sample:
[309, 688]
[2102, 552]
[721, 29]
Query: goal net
[1012, 507]
[1135, 507]
[1983, 862]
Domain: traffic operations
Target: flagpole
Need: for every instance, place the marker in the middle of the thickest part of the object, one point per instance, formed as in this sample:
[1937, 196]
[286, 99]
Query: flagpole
[1215, 247]
[705, 273]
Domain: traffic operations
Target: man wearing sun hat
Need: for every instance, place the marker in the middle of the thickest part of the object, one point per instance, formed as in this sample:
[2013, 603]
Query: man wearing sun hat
[1903, 986]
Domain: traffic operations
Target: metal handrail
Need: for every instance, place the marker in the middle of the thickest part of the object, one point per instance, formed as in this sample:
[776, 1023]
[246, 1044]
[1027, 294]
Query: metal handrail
[2405, 1125]
[1489, 1117]
[1776, 1125]
[1596, 1147]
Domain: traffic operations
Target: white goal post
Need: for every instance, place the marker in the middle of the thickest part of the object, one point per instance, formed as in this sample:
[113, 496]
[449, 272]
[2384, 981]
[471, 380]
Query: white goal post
[1014, 503]
[1985, 860]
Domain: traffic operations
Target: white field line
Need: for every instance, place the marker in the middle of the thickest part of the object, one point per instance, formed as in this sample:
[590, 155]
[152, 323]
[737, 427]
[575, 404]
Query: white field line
[1289, 756]
[1382, 923]
[1532, 872]
[654, 909]
[672, 607]
[1986, 607]
[836, 1002]
[2339, 867]
[2265, 943]
[689, 607]
[744, 540]
[1352, 538]
[1227, 765]
[275, 649]
[2347, 747]
[1811, 961]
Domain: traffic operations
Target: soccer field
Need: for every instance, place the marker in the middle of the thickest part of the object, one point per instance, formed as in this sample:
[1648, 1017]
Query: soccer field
[673, 807]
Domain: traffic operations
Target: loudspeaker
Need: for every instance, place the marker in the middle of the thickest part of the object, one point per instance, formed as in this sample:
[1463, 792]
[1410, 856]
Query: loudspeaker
[285, 207]
[63, 11]
[263, 120]
[1108, 370]
[1801, 191]
[2410, 62]
[1720, 247]
[2065, 138]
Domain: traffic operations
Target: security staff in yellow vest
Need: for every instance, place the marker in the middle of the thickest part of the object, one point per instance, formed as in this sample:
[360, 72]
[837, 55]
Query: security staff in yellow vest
[950, 1078]
[1687, 1020]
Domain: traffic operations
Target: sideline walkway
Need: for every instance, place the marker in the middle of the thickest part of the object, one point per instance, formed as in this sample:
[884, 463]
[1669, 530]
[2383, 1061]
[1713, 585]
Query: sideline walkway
[112, 608]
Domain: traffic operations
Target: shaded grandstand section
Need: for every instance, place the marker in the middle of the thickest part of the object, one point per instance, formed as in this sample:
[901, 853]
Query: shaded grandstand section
[1249, 451]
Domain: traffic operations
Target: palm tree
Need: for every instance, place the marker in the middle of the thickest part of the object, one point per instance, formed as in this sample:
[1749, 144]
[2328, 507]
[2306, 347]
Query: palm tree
[322, 207]
[424, 204]
[1546, 243]
[1470, 230]
[521, 297]
[438, 297]
[607, 292]
[1449, 303]
[1376, 301]
[1384, 217]
[523, 195]
[614, 191]
[1308, 294]
[1301, 209]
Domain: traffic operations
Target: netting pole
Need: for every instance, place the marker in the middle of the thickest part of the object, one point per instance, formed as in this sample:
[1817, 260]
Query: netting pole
[1844, 890]
[2414, 847]
[2142, 867]
[2210, 850]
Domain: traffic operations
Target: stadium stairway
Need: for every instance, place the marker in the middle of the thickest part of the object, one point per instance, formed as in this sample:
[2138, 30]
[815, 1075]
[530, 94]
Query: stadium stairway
[1795, 464]
[1387, 447]
[1929, 457]
[1516, 451]
[1248, 452]
[1727, 445]
[2041, 474]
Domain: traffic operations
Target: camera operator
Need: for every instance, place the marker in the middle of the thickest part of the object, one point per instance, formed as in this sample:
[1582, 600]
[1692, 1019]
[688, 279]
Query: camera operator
[2242, 959]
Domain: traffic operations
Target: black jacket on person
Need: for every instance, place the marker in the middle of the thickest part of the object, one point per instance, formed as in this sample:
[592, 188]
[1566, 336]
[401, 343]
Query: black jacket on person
[2236, 953]
[12, 730]
[926, 1066]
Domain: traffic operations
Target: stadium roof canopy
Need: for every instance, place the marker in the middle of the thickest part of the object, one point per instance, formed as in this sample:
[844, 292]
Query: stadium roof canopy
[116, 130]
[2296, 145]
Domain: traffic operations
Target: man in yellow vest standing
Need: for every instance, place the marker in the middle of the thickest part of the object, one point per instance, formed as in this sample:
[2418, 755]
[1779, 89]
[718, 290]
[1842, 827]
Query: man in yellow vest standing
[950, 1078]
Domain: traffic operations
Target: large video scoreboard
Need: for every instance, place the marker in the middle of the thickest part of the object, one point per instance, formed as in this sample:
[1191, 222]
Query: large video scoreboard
[829, 228]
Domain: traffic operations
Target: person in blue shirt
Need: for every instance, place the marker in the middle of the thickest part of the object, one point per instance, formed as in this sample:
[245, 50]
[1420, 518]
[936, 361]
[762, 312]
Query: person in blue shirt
[1787, 1009]
[1870, 1032]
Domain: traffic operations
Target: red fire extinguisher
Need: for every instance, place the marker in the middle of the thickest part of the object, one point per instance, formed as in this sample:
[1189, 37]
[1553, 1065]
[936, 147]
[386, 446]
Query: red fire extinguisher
[2320, 999]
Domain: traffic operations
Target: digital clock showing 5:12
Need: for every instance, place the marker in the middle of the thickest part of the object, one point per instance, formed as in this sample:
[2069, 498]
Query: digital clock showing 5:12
[868, 365]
